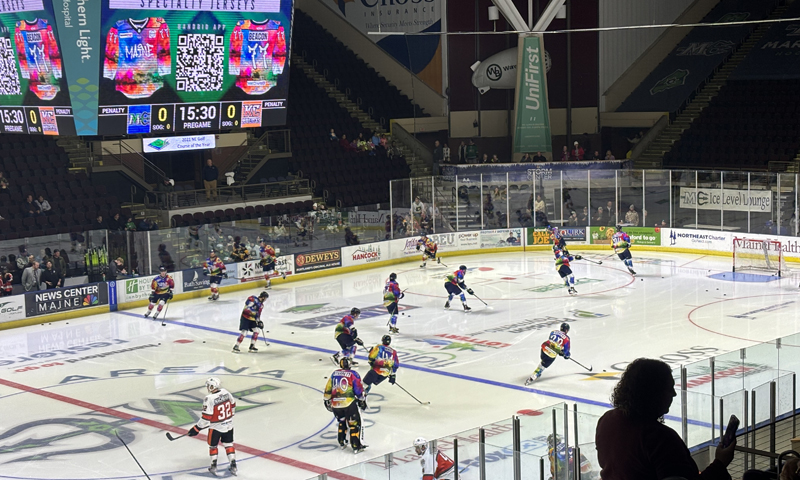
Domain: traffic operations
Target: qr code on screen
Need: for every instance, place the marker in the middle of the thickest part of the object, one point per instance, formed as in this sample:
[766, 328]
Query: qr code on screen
[199, 65]
[9, 78]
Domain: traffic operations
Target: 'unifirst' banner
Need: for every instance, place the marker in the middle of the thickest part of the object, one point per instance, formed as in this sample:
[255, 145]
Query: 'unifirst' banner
[532, 129]
[726, 199]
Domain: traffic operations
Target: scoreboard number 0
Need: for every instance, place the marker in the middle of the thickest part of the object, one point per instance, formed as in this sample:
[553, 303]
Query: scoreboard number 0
[162, 114]
[231, 111]
[34, 118]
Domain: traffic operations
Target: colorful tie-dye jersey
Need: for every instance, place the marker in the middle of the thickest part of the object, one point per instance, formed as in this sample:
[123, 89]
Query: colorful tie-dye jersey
[252, 308]
[161, 285]
[267, 255]
[214, 267]
[427, 244]
[391, 293]
[563, 260]
[138, 56]
[39, 58]
[345, 325]
[343, 388]
[257, 55]
[383, 360]
[456, 278]
[620, 240]
[556, 344]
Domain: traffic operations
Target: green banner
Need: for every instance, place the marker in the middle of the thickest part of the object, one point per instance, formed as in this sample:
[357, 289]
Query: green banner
[639, 235]
[79, 34]
[532, 129]
[538, 236]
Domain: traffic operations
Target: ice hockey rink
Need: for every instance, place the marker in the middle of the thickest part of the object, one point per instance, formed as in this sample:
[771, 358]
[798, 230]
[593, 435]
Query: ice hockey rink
[68, 388]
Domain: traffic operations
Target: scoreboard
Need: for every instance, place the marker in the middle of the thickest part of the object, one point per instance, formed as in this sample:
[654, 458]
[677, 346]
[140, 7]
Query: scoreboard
[125, 67]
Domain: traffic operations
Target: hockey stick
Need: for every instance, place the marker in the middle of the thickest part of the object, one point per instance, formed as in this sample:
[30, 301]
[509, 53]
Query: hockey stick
[600, 262]
[172, 439]
[132, 455]
[412, 396]
[166, 307]
[479, 298]
[582, 365]
[264, 337]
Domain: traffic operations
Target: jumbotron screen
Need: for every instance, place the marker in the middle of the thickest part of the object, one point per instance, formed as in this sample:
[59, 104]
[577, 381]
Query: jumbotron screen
[193, 65]
[34, 97]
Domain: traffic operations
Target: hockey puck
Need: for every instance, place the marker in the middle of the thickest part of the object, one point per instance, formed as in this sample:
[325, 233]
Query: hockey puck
[402, 313]
[292, 333]
[642, 279]
[604, 370]
[204, 341]
[320, 359]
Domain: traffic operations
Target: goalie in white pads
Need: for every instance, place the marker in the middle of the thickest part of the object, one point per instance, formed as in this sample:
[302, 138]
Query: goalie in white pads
[219, 407]
[435, 464]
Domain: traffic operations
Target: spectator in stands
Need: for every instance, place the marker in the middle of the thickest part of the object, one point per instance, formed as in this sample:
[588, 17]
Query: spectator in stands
[438, 153]
[538, 158]
[446, 154]
[99, 224]
[29, 209]
[596, 156]
[609, 155]
[60, 266]
[344, 144]
[524, 218]
[631, 441]
[3, 182]
[165, 258]
[144, 225]
[488, 209]
[636, 139]
[332, 136]
[471, 155]
[417, 207]
[350, 238]
[573, 221]
[425, 223]
[116, 269]
[210, 176]
[31, 277]
[612, 213]
[485, 158]
[394, 151]
[526, 158]
[494, 159]
[539, 209]
[6, 284]
[583, 219]
[165, 191]
[130, 225]
[599, 217]
[302, 231]
[568, 205]
[462, 153]
[463, 195]
[114, 224]
[564, 154]
[49, 277]
[577, 152]
[43, 205]
[632, 216]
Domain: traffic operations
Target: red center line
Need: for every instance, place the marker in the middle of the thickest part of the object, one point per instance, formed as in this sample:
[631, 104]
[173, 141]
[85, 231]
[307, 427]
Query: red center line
[163, 426]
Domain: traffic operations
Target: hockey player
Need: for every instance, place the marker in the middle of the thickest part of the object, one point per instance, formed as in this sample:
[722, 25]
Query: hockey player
[347, 336]
[162, 287]
[558, 240]
[344, 395]
[268, 259]
[556, 344]
[213, 266]
[435, 464]
[384, 363]
[219, 406]
[251, 321]
[622, 241]
[455, 286]
[391, 295]
[429, 250]
[562, 460]
[562, 267]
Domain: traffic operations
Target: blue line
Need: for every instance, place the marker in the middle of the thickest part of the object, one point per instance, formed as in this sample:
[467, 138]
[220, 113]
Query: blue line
[458, 376]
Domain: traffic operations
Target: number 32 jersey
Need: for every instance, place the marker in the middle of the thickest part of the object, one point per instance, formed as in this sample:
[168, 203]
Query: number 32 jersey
[218, 411]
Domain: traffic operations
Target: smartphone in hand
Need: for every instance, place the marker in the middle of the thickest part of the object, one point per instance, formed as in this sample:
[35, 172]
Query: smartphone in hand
[730, 432]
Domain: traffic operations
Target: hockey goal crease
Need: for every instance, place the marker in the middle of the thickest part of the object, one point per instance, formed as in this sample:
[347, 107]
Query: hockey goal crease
[758, 255]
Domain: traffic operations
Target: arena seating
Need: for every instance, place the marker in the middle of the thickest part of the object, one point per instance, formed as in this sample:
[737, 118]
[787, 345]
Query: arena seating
[749, 124]
[38, 166]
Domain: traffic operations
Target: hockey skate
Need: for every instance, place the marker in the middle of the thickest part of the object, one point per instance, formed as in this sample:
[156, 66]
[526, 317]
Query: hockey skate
[394, 330]
[212, 298]
[359, 449]
[335, 359]
[155, 316]
[466, 307]
[252, 349]
[572, 291]
[283, 275]
[232, 468]
[530, 380]
[631, 270]
[269, 283]
[213, 468]
[422, 266]
[236, 348]
[438, 260]
[343, 443]
[447, 304]
[147, 314]
[353, 362]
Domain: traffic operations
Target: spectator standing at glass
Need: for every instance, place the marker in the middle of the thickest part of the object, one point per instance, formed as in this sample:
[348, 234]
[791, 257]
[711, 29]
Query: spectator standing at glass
[609, 155]
[472, 152]
[210, 176]
[31, 277]
[49, 277]
[60, 266]
[577, 152]
[632, 216]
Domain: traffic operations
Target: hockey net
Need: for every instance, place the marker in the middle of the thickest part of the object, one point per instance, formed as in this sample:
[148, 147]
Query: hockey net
[759, 255]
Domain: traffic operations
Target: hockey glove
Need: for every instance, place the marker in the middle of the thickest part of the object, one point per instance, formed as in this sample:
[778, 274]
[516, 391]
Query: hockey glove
[194, 431]
[392, 378]
[417, 247]
[469, 290]
[224, 275]
[578, 257]
[354, 333]
[328, 405]
[401, 296]
[362, 404]
[566, 357]
[169, 295]
[359, 341]
[205, 272]
[260, 324]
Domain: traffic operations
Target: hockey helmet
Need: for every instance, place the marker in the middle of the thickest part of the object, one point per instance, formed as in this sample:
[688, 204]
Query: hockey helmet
[619, 228]
[263, 295]
[420, 445]
[463, 267]
[212, 253]
[162, 270]
[565, 327]
[345, 363]
[553, 440]
[386, 339]
[355, 311]
[392, 276]
[212, 384]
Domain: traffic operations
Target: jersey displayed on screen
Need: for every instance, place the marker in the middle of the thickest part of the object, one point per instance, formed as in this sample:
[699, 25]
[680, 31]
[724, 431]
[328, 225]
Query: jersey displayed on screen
[257, 55]
[137, 56]
[39, 57]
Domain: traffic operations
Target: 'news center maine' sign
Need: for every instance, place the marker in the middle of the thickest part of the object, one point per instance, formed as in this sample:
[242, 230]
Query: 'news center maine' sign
[64, 299]
[726, 199]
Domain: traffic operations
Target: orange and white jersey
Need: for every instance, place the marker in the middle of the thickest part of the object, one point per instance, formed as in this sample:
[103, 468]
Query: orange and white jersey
[436, 465]
[218, 411]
